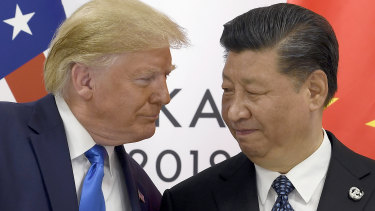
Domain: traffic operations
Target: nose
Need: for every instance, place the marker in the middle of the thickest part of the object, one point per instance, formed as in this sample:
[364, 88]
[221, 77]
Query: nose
[160, 93]
[238, 109]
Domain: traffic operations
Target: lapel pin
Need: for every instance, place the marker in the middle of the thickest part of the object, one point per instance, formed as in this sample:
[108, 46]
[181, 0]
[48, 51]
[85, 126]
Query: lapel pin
[141, 197]
[355, 193]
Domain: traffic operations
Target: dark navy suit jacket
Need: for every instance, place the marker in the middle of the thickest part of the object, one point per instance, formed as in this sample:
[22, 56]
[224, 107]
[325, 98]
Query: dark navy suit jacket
[35, 166]
[231, 185]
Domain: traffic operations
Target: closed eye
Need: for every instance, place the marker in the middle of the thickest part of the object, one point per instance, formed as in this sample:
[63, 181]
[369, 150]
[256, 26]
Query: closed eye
[255, 92]
[146, 79]
[252, 93]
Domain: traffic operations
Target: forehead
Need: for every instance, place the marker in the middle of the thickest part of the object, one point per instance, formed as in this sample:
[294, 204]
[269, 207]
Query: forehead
[155, 59]
[249, 65]
[159, 56]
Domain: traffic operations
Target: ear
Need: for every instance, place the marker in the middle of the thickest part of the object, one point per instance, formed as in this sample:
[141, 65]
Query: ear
[317, 85]
[82, 80]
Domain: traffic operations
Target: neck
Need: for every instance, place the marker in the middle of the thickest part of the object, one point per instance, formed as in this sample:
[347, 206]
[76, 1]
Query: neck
[84, 116]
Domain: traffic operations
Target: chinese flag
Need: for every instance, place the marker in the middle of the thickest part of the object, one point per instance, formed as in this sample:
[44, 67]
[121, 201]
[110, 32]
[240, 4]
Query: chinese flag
[351, 115]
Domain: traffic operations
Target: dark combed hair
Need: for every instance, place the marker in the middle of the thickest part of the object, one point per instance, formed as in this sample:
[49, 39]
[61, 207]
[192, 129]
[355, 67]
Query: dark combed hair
[304, 40]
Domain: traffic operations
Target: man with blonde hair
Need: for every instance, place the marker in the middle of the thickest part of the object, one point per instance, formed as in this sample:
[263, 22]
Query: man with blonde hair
[106, 74]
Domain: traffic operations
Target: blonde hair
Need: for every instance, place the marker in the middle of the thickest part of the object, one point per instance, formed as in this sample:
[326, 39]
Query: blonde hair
[101, 29]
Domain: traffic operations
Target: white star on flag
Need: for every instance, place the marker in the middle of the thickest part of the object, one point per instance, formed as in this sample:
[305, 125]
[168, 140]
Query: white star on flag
[19, 22]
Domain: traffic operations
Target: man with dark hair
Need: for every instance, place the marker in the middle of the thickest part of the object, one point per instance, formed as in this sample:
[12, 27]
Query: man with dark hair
[280, 73]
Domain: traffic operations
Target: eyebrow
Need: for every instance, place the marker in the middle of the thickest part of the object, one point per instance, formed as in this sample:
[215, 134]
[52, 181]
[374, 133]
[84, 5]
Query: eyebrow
[243, 80]
[248, 81]
[151, 70]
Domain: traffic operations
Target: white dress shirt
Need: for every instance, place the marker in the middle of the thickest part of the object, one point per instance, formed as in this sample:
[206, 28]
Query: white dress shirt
[79, 141]
[307, 177]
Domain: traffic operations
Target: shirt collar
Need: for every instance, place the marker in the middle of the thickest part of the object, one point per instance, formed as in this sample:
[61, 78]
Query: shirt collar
[79, 140]
[264, 180]
[305, 177]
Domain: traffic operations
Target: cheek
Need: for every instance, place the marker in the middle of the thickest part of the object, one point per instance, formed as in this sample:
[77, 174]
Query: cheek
[270, 114]
[122, 105]
[282, 118]
[278, 116]
[131, 105]
[130, 95]
[224, 110]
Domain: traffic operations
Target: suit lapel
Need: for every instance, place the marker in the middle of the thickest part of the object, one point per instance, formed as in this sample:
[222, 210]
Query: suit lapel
[237, 190]
[132, 188]
[346, 170]
[50, 146]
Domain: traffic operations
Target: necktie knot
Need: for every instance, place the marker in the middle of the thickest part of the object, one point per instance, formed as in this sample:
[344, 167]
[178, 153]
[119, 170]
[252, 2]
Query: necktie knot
[96, 154]
[282, 185]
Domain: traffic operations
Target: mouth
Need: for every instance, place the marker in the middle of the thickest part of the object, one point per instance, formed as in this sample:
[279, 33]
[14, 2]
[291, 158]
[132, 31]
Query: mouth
[244, 132]
[151, 117]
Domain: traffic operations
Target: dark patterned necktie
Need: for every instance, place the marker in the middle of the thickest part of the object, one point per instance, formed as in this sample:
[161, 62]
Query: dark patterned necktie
[283, 187]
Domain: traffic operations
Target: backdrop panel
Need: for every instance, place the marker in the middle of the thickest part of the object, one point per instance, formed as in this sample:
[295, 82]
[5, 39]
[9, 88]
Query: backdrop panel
[191, 135]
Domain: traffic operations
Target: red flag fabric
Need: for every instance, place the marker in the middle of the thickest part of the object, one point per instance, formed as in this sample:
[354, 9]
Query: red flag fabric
[26, 82]
[351, 116]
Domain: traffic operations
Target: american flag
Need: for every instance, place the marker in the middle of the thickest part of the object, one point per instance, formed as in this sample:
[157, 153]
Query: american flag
[27, 27]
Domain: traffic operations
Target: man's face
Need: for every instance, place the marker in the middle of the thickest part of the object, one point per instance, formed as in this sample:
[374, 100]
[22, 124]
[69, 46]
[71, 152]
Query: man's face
[262, 107]
[128, 96]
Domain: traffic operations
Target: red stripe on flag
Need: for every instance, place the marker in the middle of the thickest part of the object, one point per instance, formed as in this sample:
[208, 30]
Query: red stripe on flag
[26, 83]
[353, 23]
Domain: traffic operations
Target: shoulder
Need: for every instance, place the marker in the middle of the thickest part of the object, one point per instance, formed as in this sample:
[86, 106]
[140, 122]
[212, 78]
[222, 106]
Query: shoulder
[13, 113]
[347, 169]
[10, 111]
[14, 120]
[348, 157]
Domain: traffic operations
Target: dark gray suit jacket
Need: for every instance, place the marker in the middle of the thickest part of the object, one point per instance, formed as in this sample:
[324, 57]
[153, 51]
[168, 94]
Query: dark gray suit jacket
[35, 166]
[231, 185]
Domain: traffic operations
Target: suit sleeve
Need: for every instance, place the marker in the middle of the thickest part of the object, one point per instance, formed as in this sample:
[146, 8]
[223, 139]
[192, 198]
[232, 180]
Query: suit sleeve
[166, 201]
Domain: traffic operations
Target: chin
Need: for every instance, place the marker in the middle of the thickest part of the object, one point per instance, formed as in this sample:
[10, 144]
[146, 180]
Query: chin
[145, 134]
[138, 133]
[250, 147]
